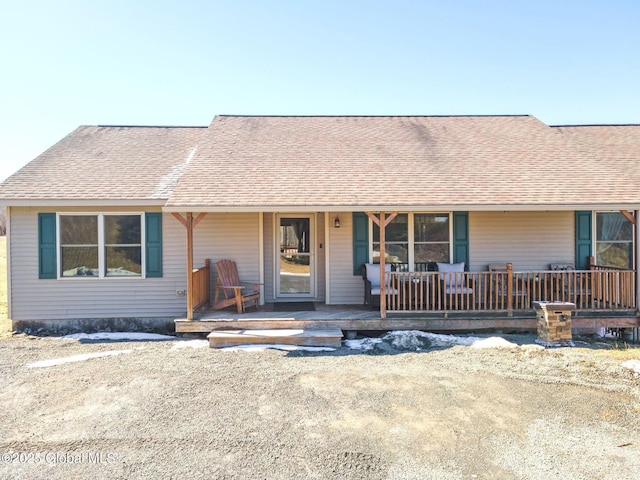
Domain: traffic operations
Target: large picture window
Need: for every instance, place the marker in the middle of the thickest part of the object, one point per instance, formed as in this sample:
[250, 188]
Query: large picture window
[101, 245]
[414, 240]
[614, 240]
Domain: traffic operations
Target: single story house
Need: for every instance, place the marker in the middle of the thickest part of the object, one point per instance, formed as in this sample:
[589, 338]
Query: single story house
[113, 222]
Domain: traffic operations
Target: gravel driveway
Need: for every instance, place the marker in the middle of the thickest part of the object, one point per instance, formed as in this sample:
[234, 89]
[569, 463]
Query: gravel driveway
[149, 409]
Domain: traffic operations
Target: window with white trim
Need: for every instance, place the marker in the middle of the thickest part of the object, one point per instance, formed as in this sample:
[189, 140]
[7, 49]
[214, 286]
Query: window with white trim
[414, 240]
[100, 245]
[614, 240]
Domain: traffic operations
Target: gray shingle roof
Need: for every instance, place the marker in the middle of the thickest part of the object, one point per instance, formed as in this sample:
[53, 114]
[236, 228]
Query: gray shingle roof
[433, 162]
[278, 163]
[108, 163]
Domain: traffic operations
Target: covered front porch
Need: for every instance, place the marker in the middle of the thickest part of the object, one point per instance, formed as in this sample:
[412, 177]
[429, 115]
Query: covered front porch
[604, 297]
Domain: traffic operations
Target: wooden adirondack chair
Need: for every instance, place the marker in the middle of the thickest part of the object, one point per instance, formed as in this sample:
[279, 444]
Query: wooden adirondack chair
[230, 291]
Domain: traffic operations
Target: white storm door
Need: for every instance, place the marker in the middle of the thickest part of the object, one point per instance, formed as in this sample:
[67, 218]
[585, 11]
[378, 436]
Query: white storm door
[295, 272]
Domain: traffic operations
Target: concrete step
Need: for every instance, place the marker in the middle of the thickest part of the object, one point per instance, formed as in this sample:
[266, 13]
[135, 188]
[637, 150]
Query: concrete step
[331, 337]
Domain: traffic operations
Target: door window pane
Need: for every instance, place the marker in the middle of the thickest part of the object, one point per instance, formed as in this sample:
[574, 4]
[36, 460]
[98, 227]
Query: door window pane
[295, 274]
[294, 235]
[295, 256]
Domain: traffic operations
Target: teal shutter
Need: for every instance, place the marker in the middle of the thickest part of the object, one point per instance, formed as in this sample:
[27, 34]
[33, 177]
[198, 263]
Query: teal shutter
[153, 238]
[584, 239]
[461, 238]
[360, 241]
[47, 259]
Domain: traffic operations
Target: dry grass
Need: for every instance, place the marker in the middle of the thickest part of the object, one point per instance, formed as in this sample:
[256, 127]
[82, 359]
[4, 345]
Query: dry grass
[620, 351]
[5, 324]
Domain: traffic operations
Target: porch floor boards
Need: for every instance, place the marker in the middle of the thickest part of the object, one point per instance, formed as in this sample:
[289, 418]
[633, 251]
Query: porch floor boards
[359, 318]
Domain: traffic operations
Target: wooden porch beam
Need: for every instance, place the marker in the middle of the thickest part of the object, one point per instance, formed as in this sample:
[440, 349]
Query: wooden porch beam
[376, 220]
[373, 218]
[180, 218]
[629, 216]
[198, 219]
[390, 218]
[195, 222]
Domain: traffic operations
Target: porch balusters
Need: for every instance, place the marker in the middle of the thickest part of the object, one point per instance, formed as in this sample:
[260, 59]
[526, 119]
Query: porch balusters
[509, 291]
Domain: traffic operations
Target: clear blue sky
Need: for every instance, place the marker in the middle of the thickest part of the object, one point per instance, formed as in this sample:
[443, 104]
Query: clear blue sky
[70, 63]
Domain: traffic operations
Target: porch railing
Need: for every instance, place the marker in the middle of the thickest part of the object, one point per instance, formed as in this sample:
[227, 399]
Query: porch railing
[598, 289]
[201, 284]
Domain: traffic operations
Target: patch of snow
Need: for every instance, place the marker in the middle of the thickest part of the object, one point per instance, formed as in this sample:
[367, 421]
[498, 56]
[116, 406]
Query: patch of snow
[190, 344]
[75, 358]
[287, 348]
[167, 183]
[632, 365]
[415, 340]
[362, 343]
[493, 342]
[119, 336]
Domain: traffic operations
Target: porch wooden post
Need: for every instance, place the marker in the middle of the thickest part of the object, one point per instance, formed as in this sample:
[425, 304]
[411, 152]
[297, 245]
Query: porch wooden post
[510, 288]
[382, 222]
[189, 265]
[383, 288]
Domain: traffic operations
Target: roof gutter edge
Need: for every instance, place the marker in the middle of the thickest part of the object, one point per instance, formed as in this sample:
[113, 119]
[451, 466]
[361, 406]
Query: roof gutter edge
[393, 208]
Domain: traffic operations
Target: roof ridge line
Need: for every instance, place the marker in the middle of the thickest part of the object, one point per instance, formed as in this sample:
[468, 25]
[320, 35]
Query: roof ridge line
[597, 125]
[376, 116]
[148, 126]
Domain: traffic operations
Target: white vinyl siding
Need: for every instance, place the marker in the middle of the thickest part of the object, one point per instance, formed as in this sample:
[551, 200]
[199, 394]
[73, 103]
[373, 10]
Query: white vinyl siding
[320, 265]
[232, 236]
[529, 240]
[78, 298]
[346, 288]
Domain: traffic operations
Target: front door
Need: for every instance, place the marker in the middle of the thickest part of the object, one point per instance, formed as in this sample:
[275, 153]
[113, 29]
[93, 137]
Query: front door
[295, 272]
